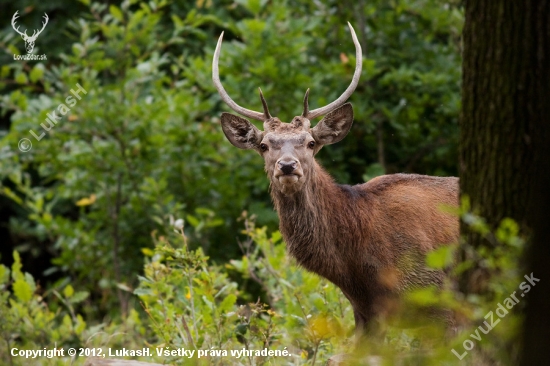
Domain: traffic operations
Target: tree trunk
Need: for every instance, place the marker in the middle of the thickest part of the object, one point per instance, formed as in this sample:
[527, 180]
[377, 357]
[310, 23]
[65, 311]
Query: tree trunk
[502, 111]
[505, 137]
[501, 82]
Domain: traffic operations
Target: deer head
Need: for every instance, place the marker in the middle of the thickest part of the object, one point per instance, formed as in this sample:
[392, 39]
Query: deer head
[288, 149]
[29, 40]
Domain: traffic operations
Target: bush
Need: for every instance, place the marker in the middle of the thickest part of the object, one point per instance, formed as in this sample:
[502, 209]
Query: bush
[36, 319]
[144, 142]
[193, 304]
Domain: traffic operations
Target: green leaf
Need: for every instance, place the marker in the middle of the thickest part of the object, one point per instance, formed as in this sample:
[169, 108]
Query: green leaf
[30, 280]
[79, 296]
[12, 49]
[4, 274]
[116, 13]
[22, 290]
[276, 236]
[80, 325]
[441, 257]
[67, 321]
[144, 279]
[286, 283]
[36, 73]
[424, 296]
[21, 78]
[16, 273]
[507, 230]
[241, 329]
[177, 21]
[68, 291]
[215, 222]
[192, 220]
[140, 291]
[227, 303]
[4, 71]
[204, 211]
[147, 252]
[208, 303]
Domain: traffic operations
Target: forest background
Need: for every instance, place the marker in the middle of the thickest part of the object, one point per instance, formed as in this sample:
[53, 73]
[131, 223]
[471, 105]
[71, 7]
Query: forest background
[133, 222]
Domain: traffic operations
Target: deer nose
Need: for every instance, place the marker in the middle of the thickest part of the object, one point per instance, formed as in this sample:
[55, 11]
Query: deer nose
[287, 167]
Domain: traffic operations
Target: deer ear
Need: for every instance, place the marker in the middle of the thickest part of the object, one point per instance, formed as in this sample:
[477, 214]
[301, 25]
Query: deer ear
[240, 132]
[334, 126]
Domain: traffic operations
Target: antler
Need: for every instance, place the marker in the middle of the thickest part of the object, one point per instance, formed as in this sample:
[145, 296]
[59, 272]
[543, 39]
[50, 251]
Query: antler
[226, 98]
[43, 26]
[306, 113]
[34, 34]
[264, 103]
[349, 91]
[13, 19]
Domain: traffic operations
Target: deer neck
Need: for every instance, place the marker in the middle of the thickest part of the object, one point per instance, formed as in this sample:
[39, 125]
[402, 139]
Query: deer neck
[308, 225]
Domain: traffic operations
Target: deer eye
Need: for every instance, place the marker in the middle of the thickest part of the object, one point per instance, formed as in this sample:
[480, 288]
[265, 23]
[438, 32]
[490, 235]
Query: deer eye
[311, 144]
[263, 147]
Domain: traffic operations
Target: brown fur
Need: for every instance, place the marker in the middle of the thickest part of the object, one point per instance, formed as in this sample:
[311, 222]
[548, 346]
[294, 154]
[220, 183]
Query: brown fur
[371, 239]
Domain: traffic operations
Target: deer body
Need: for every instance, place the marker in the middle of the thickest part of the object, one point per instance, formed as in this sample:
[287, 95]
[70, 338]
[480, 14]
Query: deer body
[371, 239]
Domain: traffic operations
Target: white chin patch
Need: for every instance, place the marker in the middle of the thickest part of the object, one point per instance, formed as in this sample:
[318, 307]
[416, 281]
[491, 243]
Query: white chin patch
[286, 180]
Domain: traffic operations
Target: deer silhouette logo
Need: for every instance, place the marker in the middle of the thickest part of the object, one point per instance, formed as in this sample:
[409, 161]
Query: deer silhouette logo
[29, 40]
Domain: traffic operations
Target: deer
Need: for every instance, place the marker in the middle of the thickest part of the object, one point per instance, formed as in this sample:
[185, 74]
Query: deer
[369, 239]
[29, 40]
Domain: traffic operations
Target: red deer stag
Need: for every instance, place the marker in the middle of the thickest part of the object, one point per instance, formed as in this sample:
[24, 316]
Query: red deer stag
[370, 239]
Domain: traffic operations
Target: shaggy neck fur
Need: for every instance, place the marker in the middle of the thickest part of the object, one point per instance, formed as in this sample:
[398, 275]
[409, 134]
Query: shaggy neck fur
[317, 223]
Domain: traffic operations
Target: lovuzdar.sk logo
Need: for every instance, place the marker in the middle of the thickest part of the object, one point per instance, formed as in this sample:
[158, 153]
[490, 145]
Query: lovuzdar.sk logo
[29, 40]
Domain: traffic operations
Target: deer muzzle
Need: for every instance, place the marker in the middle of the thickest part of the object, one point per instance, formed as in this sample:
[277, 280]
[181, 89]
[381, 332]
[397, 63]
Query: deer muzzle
[288, 171]
[287, 167]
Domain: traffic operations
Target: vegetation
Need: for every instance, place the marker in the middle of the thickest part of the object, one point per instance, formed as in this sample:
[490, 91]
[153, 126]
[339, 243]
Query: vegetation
[194, 305]
[95, 211]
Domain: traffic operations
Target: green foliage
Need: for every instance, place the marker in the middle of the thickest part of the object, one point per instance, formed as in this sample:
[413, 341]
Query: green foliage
[497, 277]
[193, 304]
[142, 141]
[34, 319]
[142, 146]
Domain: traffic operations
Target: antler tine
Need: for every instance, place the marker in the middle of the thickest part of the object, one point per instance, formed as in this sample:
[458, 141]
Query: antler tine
[44, 23]
[13, 19]
[223, 94]
[264, 103]
[306, 104]
[351, 88]
[37, 32]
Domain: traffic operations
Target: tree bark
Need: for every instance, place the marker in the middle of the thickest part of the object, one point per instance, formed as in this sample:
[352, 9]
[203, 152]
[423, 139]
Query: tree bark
[500, 115]
[505, 135]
